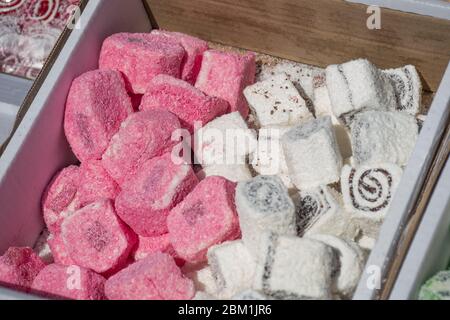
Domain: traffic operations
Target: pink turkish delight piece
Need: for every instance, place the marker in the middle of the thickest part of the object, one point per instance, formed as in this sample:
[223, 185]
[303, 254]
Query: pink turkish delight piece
[19, 267]
[69, 282]
[148, 196]
[187, 102]
[194, 47]
[206, 217]
[156, 277]
[141, 56]
[96, 238]
[147, 246]
[226, 75]
[60, 198]
[95, 183]
[142, 136]
[96, 106]
[59, 251]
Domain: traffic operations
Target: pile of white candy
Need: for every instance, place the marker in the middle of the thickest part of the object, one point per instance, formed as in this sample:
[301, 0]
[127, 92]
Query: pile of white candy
[327, 177]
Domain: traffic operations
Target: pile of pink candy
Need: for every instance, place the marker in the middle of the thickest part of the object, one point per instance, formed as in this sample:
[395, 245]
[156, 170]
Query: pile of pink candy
[125, 220]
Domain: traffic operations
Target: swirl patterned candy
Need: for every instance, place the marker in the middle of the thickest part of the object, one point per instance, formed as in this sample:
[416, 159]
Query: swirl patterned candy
[368, 190]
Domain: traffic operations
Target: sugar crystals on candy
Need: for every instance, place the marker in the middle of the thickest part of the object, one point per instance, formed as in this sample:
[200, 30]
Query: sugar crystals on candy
[141, 57]
[225, 75]
[96, 106]
[192, 106]
[19, 267]
[69, 282]
[148, 196]
[194, 48]
[142, 136]
[156, 277]
[96, 238]
[206, 217]
[59, 198]
[95, 183]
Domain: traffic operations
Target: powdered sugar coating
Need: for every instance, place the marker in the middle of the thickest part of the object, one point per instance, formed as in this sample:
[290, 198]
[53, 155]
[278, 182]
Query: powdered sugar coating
[19, 267]
[194, 48]
[96, 106]
[263, 204]
[351, 263]
[69, 282]
[59, 199]
[294, 268]
[225, 75]
[380, 137]
[312, 154]
[156, 277]
[231, 277]
[182, 99]
[148, 196]
[141, 137]
[141, 57]
[96, 238]
[206, 217]
[358, 85]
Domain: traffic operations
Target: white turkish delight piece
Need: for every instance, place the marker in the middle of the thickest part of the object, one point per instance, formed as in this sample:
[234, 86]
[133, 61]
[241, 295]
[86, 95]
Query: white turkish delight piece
[269, 158]
[233, 268]
[323, 108]
[312, 154]
[368, 190]
[202, 276]
[294, 268]
[382, 137]
[276, 101]
[263, 204]
[359, 85]
[408, 88]
[226, 140]
[320, 211]
[351, 263]
[300, 74]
